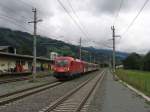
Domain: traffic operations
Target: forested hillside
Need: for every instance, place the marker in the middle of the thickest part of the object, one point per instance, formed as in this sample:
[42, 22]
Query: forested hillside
[24, 41]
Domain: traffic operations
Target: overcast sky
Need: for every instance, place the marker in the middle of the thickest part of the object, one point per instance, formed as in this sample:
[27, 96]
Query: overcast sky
[95, 16]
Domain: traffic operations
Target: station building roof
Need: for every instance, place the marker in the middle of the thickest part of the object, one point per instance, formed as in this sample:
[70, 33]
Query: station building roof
[19, 56]
[3, 47]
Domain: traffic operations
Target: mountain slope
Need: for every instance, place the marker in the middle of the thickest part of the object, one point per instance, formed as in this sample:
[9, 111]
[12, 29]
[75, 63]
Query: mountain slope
[23, 42]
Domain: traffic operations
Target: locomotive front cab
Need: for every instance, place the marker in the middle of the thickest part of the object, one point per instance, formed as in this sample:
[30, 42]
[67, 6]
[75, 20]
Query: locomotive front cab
[61, 69]
[62, 65]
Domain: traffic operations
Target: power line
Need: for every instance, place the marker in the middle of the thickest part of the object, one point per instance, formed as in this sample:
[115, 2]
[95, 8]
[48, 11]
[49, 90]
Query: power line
[120, 6]
[13, 21]
[72, 18]
[135, 17]
[11, 10]
[104, 44]
[76, 15]
[31, 6]
[12, 18]
[72, 9]
[16, 20]
[79, 18]
[35, 21]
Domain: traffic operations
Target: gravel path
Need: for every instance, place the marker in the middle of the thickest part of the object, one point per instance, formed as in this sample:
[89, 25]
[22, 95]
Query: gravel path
[42, 99]
[114, 97]
[19, 85]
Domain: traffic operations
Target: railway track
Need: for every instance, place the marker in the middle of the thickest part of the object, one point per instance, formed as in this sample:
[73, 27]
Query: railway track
[16, 79]
[75, 100]
[11, 97]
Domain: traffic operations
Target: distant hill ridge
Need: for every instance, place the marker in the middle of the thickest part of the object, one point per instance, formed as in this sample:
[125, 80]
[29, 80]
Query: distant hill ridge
[23, 42]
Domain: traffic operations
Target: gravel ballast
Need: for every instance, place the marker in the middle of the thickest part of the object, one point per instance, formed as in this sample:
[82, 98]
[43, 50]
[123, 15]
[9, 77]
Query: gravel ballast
[42, 99]
[20, 85]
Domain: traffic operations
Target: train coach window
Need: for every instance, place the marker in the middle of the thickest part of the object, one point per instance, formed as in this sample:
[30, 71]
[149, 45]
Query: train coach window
[61, 63]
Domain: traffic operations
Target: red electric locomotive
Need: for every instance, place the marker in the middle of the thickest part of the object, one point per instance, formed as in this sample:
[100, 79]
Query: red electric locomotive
[68, 67]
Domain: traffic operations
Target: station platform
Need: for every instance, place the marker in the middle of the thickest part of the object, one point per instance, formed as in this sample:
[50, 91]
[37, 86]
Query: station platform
[113, 96]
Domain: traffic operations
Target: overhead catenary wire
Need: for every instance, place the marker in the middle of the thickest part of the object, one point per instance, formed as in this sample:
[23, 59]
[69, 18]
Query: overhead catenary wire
[12, 18]
[134, 19]
[27, 4]
[30, 5]
[104, 44]
[13, 22]
[73, 10]
[77, 17]
[41, 28]
[82, 25]
[17, 21]
[20, 22]
[117, 15]
[9, 18]
[23, 19]
[72, 18]
[11, 9]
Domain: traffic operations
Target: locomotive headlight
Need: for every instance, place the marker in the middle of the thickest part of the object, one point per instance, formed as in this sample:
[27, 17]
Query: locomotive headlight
[67, 69]
[54, 69]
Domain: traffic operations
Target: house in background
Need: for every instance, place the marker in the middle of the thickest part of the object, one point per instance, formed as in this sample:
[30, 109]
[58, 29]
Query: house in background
[53, 55]
[16, 63]
[8, 49]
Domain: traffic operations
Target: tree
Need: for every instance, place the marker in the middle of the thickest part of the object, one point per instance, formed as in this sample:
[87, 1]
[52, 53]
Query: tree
[133, 61]
[146, 62]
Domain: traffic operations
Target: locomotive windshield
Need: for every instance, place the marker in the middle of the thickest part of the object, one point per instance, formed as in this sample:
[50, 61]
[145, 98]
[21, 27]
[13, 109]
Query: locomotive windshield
[61, 63]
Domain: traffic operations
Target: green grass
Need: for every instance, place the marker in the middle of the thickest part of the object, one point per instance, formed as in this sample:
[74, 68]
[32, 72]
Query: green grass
[138, 79]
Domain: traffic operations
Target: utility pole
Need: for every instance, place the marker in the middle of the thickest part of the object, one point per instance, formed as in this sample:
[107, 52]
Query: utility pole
[80, 50]
[94, 59]
[35, 21]
[114, 47]
[109, 58]
[90, 54]
[114, 54]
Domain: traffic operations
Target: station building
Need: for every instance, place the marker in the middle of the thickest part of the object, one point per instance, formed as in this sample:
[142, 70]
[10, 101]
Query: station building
[16, 63]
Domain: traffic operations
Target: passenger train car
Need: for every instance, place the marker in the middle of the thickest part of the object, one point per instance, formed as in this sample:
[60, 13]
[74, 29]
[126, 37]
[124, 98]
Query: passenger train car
[68, 67]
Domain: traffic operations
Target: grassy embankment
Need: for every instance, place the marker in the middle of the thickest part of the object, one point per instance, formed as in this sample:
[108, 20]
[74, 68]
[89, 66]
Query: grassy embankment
[138, 79]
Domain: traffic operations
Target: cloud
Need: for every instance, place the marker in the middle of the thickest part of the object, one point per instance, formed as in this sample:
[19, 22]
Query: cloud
[96, 17]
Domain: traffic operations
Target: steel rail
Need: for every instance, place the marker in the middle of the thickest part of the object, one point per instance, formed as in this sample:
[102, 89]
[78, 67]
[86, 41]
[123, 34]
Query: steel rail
[11, 97]
[59, 101]
[78, 109]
